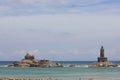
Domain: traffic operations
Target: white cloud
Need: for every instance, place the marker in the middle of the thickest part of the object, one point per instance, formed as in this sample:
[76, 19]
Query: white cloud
[33, 7]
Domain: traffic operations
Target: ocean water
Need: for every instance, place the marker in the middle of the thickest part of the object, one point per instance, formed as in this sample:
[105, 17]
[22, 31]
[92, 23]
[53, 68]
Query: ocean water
[81, 71]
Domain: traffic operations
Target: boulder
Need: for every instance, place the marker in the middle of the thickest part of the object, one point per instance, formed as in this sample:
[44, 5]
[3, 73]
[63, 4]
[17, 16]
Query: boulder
[26, 61]
[59, 65]
[24, 65]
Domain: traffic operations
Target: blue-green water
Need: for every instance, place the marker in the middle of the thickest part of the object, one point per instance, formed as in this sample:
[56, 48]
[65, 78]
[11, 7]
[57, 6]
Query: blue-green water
[65, 73]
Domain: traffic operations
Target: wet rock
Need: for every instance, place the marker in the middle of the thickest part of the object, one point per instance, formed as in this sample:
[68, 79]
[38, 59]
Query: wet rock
[59, 65]
[72, 65]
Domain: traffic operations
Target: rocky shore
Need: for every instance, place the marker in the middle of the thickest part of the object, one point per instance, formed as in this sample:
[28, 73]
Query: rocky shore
[30, 61]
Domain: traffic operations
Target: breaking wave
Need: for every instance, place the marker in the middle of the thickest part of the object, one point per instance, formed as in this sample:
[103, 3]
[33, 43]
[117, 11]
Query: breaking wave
[3, 65]
[73, 65]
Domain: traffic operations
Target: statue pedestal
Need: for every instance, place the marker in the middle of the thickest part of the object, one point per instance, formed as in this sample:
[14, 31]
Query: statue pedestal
[102, 59]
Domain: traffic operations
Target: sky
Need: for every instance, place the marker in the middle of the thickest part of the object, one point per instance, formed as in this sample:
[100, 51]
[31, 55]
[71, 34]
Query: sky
[59, 30]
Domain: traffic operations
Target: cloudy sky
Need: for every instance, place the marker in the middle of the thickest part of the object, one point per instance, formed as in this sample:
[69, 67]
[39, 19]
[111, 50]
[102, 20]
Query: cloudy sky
[59, 29]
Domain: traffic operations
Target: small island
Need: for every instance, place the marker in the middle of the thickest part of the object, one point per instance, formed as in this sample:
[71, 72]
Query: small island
[103, 61]
[30, 61]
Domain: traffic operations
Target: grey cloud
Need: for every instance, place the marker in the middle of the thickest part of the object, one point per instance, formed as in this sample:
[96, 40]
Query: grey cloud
[67, 33]
[32, 30]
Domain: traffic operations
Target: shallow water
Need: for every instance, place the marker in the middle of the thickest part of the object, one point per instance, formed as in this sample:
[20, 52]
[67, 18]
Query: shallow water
[80, 72]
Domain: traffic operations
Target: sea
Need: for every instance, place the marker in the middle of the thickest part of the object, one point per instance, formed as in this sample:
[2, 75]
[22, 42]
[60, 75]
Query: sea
[81, 71]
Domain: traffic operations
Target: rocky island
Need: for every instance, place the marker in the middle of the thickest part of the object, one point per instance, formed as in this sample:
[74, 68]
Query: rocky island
[102, 61]
[30, 61]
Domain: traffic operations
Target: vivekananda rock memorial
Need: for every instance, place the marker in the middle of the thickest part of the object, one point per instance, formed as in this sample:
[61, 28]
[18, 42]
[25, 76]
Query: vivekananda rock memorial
[103, 61]
[30, 61]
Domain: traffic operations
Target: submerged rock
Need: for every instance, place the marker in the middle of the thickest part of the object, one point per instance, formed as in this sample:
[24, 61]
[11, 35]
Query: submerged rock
[59, 65]
[72, 65]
